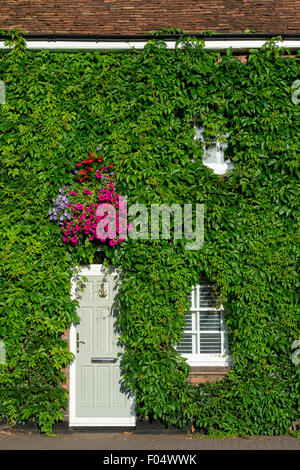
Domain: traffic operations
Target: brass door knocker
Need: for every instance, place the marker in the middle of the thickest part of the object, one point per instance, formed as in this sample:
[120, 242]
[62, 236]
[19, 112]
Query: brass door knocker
[102, 292]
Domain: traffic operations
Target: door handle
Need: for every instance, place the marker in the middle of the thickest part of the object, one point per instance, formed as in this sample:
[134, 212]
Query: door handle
[78, 342]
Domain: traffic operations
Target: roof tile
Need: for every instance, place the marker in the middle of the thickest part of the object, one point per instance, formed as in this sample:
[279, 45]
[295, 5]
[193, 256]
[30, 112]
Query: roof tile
[142, 17]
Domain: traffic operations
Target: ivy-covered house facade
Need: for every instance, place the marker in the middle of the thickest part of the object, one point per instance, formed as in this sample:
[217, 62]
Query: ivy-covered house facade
[105, 325]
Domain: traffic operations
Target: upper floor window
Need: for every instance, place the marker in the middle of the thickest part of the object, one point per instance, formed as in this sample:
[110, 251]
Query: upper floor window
[205, 337]
[213, 154]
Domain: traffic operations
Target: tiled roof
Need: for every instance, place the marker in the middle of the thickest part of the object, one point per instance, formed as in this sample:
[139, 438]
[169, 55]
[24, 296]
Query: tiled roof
[113, 17]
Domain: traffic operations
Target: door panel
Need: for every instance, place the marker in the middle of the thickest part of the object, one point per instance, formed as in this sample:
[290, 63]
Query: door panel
[99, 392]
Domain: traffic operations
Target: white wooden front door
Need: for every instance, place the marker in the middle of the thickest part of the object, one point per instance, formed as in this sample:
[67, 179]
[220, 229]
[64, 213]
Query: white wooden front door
[97, 395]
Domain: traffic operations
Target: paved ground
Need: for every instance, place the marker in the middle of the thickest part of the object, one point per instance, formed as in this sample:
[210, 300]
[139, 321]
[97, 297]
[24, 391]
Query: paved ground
[32, 440]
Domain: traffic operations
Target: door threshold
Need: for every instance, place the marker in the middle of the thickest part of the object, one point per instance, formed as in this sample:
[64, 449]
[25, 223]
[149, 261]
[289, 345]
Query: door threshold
[103, 422]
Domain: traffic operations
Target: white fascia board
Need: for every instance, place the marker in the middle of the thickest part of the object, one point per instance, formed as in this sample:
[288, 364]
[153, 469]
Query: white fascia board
[211, 44]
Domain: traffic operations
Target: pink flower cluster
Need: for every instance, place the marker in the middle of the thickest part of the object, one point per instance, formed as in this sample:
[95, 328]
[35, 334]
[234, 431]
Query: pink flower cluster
[85, 220]
[83, 212]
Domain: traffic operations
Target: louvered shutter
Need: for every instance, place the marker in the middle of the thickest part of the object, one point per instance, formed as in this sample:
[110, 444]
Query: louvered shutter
[204, 331]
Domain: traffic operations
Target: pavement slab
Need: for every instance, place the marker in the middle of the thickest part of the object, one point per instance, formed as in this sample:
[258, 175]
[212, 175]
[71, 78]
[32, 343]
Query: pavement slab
[130, 441]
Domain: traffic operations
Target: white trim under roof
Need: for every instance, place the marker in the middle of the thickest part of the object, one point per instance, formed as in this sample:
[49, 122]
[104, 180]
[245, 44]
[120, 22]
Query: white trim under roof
[123, 45]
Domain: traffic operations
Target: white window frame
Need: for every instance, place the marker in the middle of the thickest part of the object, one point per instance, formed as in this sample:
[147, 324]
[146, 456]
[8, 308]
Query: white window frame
[221, 166]
[204, 359]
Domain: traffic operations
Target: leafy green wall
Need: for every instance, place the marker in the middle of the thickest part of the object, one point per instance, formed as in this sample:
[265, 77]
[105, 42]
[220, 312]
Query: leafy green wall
[138, 106]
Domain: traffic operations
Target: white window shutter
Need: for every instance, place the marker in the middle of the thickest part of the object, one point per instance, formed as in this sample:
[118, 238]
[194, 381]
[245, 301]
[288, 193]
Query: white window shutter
[204, 339]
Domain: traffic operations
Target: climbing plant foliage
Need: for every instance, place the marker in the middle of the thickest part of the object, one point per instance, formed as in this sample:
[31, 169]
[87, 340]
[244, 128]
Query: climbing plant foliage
[139, 107]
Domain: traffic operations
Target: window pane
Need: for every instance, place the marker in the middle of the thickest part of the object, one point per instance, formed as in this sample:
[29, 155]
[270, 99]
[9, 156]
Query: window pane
[213, 152]
[210, 320]
[188, 321]
[207, 296]
[199, 132]
[210, 154]
[222, 146]
[210, 343]
[186, 345]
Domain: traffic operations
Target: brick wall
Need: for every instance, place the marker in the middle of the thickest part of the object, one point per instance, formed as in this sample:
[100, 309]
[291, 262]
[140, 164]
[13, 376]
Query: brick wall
[144, 16]
[203, 374]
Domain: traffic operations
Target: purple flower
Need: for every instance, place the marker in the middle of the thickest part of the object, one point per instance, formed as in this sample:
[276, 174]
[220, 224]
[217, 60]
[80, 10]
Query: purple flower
[97, 148]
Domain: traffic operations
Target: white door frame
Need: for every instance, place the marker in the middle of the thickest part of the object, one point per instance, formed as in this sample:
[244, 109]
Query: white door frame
[92, 269]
